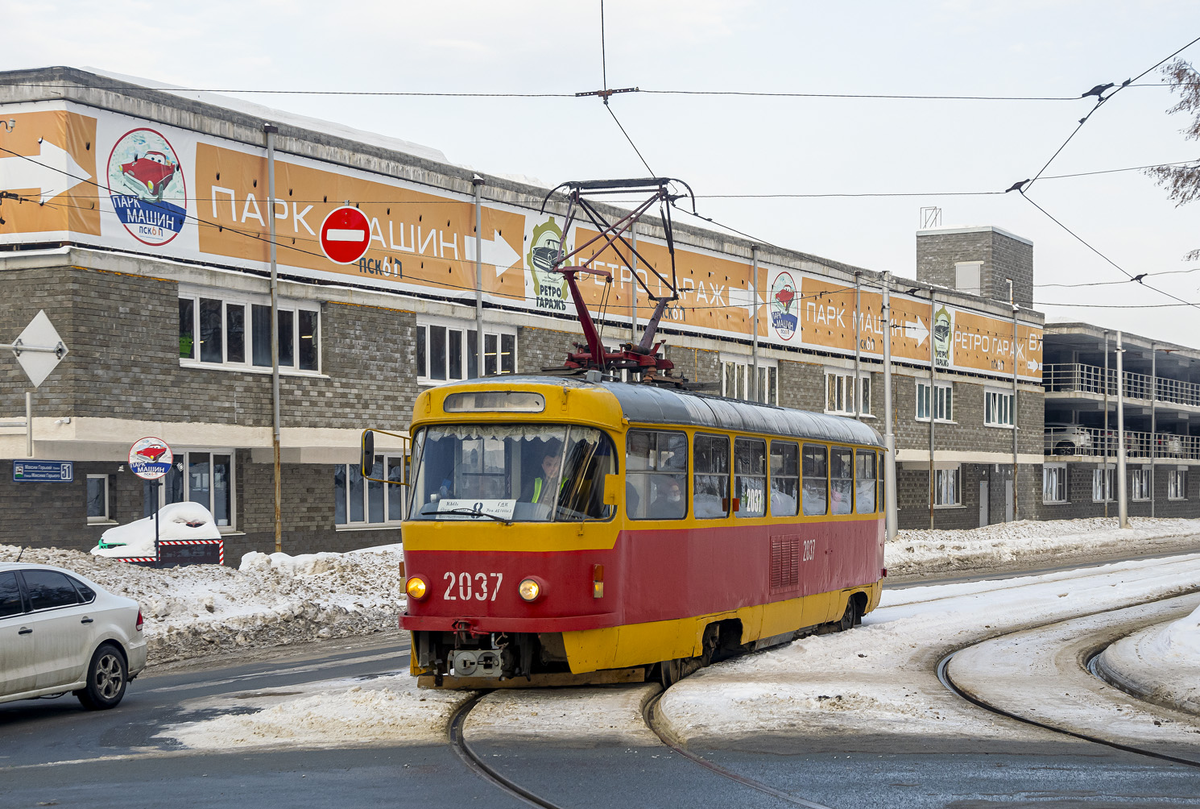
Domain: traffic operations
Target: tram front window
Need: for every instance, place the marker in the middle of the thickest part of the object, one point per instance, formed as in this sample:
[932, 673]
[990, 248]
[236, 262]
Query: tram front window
[511, 473]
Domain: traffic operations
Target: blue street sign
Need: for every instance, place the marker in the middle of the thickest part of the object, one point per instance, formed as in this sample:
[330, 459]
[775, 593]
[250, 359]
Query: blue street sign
[43, 471]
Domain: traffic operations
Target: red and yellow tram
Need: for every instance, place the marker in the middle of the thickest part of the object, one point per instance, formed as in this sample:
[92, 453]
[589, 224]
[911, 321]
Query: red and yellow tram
[568, 530]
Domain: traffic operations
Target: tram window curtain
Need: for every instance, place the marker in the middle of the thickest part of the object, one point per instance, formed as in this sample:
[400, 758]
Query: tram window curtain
[750, 476]
[841, 480]
[785, 478]
[815, 471]
[655, 465]
[864, 481]
[711, 486]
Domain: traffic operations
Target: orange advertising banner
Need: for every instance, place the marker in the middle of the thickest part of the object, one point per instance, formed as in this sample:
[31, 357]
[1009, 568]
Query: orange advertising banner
[48, 169]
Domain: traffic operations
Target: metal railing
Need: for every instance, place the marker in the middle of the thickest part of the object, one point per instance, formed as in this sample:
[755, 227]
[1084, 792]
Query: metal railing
[1096, 443]
[1073, 377]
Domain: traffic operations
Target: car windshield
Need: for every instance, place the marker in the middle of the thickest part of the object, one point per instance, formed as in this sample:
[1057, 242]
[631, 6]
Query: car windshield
[511, 473]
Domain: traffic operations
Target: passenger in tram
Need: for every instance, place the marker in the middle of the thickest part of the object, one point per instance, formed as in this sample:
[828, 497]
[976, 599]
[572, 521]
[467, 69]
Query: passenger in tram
[668, 501]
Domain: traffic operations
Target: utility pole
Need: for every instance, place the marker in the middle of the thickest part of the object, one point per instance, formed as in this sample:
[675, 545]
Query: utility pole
[478, 183]
[889, 439]
[1015, 409]
[932, 405]
[1122, 505]
[270, 130]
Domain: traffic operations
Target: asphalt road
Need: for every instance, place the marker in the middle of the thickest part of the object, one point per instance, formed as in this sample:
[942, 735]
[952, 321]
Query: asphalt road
[53, 753]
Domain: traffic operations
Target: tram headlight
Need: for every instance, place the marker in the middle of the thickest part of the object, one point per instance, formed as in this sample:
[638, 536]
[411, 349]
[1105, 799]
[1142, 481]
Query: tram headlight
[530, 589]
[416, 588]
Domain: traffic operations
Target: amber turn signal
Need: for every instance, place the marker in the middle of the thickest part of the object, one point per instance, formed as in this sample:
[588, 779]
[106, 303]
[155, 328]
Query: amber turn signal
[416, 588]
[530, 589]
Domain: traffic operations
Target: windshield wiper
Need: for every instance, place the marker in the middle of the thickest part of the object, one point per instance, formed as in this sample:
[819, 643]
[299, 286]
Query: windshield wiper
[470, 512]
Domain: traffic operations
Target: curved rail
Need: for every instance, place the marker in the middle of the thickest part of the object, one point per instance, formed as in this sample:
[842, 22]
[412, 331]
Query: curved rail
[944, 677]
[459, 742]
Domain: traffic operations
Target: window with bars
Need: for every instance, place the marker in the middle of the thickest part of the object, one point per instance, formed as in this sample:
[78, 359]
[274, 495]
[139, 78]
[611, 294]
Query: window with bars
[938, 399]
[839, 393]
[1103, 485]
[358, 502]
[237, 333]
[1177, 484]
[1139, 484]
[737, 379]
[998, 408]
[947, 490]
[1054, 483]
[447, 353]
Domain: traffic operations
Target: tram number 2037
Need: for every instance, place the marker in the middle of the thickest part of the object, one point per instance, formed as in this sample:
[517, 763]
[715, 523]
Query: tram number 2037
[464, 586]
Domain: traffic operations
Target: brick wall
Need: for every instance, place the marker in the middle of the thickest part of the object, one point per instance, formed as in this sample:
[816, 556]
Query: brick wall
[1003, 257]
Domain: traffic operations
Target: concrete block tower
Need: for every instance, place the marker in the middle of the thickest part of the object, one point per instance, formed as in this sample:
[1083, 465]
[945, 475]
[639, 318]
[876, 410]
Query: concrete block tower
[977, 260]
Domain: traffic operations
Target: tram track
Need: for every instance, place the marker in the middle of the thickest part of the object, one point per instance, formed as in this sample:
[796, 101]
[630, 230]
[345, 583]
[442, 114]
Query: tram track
[1087, 656]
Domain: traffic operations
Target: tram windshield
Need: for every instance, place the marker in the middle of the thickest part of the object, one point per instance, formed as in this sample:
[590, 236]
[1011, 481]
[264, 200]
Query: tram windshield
[511, 473]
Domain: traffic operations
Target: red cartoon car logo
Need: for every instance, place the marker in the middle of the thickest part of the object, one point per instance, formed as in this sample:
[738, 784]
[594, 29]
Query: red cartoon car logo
[149, 175]
[152, 453]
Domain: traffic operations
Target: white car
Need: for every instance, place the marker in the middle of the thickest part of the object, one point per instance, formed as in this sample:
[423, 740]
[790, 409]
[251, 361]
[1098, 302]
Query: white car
[60, 632]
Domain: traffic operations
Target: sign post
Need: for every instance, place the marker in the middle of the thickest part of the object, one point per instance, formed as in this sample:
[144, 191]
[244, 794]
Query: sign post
[150, 459]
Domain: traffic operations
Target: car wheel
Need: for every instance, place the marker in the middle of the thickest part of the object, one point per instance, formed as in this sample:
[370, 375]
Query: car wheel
[1064, 448]
[107, 676]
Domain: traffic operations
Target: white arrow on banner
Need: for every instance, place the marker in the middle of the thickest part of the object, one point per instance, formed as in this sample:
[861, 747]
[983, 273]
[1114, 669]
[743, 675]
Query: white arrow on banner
[916, 331]
[495, 251]
[52, 172]
[744, 299]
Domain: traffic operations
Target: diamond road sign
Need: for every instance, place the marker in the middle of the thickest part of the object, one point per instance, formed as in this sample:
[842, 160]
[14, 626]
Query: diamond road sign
[39, 349]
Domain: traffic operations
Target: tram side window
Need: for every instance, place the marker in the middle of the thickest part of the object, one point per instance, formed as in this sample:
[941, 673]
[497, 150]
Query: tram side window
[656, 475]
[816, 472]
[785, 479]
[841, 480]
[750, 476]
[711, 465]
[864, 481]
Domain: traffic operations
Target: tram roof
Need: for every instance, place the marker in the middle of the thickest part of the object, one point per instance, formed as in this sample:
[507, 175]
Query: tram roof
[654, 405]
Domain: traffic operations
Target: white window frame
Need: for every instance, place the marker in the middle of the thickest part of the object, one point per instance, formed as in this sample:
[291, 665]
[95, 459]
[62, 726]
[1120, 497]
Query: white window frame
[1104, 479]
[1054, 483]
[390, 520]
[738, 369]
[494, 335]
[999, 408]
[1177, 483]
[182, 458]
[947, 486]
[943, 401]
[1139, 484]
[247, 302]
[106, 517]
[842, 397]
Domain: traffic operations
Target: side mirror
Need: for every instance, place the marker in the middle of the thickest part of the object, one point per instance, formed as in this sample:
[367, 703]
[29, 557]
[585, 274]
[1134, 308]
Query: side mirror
[367, 462]
[612, 490]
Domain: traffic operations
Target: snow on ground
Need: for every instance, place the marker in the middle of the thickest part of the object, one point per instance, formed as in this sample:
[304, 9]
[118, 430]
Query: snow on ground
[1166, 657]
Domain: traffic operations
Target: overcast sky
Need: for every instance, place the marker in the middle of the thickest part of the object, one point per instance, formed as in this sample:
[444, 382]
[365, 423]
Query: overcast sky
[725, 145]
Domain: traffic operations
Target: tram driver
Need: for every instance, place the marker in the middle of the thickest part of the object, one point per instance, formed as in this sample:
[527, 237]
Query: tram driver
[543, 487]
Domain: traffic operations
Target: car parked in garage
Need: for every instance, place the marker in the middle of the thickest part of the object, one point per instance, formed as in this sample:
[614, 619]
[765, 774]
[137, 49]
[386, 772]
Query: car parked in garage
[61, 633]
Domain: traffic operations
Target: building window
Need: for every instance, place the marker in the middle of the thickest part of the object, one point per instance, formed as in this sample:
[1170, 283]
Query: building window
[941, 402]
[737, 379]
[1054, 483]
[213, 332]
[1177, 484]
[206, 478]
[946, 488]
[99, 507]
[1103, 484]
[448, 353]
[1139, 484]
[997, 408]
[358, 501]
[839, 393]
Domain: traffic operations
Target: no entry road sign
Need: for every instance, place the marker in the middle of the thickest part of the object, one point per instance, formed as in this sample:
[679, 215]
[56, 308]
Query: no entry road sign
[345, 235]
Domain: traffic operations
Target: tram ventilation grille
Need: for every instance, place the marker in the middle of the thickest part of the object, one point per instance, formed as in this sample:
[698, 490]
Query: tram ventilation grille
[785, 562]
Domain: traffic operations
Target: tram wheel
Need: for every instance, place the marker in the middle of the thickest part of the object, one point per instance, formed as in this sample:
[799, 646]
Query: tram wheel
[848, 618]
[670, 672]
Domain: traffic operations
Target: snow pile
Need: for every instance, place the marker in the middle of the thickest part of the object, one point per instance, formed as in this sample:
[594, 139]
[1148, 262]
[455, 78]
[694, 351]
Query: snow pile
[270, 601]
[175, 521]
[1166, 655]
[330, 713]
[1028, 543]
